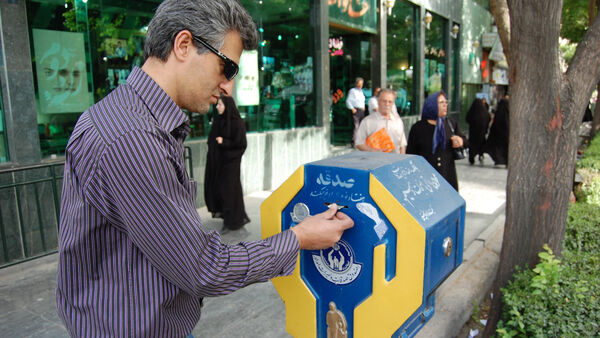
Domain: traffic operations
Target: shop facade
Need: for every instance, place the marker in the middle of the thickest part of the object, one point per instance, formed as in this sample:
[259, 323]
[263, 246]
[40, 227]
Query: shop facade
[309, 54]
[61, 56]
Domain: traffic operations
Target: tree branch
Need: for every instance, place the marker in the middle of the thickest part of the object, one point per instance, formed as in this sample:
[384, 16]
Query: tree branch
[584, 70]
[499, 10]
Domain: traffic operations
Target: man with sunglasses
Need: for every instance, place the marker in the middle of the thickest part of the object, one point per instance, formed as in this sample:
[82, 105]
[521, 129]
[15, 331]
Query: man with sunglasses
[134, 259]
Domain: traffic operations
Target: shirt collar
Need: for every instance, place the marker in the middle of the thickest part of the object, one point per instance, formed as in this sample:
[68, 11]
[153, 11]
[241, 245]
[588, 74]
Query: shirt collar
[391, 115]
[161, 106]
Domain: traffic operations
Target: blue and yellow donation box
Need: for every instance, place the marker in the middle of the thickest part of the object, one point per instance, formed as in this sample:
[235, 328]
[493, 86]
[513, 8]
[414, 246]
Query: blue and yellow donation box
[379, 280]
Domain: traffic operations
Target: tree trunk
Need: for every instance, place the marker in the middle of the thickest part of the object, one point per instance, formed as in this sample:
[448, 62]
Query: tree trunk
[546, 108]
[499, 10]
[592, 10]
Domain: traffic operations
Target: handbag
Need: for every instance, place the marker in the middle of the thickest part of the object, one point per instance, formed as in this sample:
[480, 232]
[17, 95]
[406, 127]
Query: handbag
[457, 153]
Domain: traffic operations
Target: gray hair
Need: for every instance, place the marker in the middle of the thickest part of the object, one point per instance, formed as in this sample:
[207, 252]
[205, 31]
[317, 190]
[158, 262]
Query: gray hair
[208, 19]
[387, 90]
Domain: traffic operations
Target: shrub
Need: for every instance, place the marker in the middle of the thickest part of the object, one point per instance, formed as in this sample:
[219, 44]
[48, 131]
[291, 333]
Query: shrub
[591, 156]
[588, 168]
[583, 229]
[561, 298]
[555, 299]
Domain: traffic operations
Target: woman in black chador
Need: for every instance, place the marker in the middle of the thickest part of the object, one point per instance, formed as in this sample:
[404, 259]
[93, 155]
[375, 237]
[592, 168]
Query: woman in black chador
[478, 119]
[434, 137]
[497, 142]
[222, 186]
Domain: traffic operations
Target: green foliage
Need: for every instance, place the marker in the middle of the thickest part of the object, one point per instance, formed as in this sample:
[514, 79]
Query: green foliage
[561, 298]
[574, 25]
[558, 298]
[589, 170]
[582, 231]
[567, 49]
[106, 26]
[591, 157]
[476, 311]
[574, 19]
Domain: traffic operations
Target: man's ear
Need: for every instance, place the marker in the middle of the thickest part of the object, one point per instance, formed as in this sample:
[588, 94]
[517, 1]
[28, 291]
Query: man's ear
[183, 45]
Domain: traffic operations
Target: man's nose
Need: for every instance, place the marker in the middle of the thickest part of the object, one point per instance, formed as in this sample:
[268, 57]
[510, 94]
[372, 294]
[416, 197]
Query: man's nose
[227, 87]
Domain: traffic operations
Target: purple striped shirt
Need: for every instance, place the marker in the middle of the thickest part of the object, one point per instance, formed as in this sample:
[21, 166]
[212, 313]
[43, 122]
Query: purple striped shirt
[134, 259]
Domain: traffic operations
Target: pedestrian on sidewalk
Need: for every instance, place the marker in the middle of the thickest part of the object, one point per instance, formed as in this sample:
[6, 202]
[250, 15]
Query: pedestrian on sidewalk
[222, 185]
[497, 143]
[478, 118]
[355, 102]
[134, 259]
[382, 130]
[435, 135]
[372, 103]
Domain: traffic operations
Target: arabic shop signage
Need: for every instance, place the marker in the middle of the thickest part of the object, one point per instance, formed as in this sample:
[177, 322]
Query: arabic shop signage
[359, 14]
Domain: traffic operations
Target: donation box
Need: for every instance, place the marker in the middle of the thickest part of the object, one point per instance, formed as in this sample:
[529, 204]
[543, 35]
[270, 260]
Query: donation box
[379, 280]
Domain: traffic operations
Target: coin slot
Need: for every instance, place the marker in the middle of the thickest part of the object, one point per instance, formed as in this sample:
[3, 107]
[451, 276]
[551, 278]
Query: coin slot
[340, 207]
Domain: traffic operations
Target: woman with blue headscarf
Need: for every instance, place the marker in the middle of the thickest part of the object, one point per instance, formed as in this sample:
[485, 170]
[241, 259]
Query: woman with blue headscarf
[434, 136]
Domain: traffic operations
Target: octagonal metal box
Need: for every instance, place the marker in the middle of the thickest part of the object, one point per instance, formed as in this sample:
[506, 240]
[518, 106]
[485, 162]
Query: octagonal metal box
[379, 280]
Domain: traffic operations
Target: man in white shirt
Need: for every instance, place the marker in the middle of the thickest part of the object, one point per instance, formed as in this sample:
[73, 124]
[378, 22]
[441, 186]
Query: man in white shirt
[355, 101]
[383, 118]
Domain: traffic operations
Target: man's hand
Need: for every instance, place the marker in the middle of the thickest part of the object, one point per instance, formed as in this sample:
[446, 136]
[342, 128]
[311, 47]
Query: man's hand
[323, 230]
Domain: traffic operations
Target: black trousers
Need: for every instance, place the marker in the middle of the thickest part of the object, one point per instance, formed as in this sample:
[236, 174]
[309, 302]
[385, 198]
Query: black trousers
[357, 117]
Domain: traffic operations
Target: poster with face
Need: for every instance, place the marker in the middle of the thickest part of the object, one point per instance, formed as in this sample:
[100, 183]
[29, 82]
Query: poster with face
[246, 91]
[60, 69]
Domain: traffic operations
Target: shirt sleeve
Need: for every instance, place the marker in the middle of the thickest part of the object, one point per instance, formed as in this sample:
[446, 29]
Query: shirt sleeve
[138, 186]
[373, 104]
[350, 99]
[362, 132]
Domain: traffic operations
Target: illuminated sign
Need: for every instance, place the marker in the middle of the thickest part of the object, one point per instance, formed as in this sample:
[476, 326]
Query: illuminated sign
[360, 14]
[336, 46]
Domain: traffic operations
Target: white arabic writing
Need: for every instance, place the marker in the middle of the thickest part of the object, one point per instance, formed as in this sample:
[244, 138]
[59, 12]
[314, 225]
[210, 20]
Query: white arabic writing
[328, 193]
[337, 182]
[401, 173]
[420, 187]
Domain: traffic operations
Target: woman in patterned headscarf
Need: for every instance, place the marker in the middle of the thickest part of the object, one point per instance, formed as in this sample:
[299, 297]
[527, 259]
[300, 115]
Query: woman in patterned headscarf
[434, 136]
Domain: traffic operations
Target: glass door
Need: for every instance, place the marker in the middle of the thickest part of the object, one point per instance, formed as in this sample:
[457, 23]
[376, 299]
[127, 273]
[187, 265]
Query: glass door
[350, 57]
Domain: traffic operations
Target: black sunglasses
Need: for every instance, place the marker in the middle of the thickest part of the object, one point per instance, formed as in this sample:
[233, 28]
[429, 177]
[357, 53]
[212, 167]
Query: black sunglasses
[230, 69]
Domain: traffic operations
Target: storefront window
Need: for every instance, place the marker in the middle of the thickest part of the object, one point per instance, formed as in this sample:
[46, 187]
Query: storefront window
[350, 57]
[3, 145]
[61, 94]
[98, 42]
[274, 89]
[435, 55]
[95, 43]
[401, 56]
